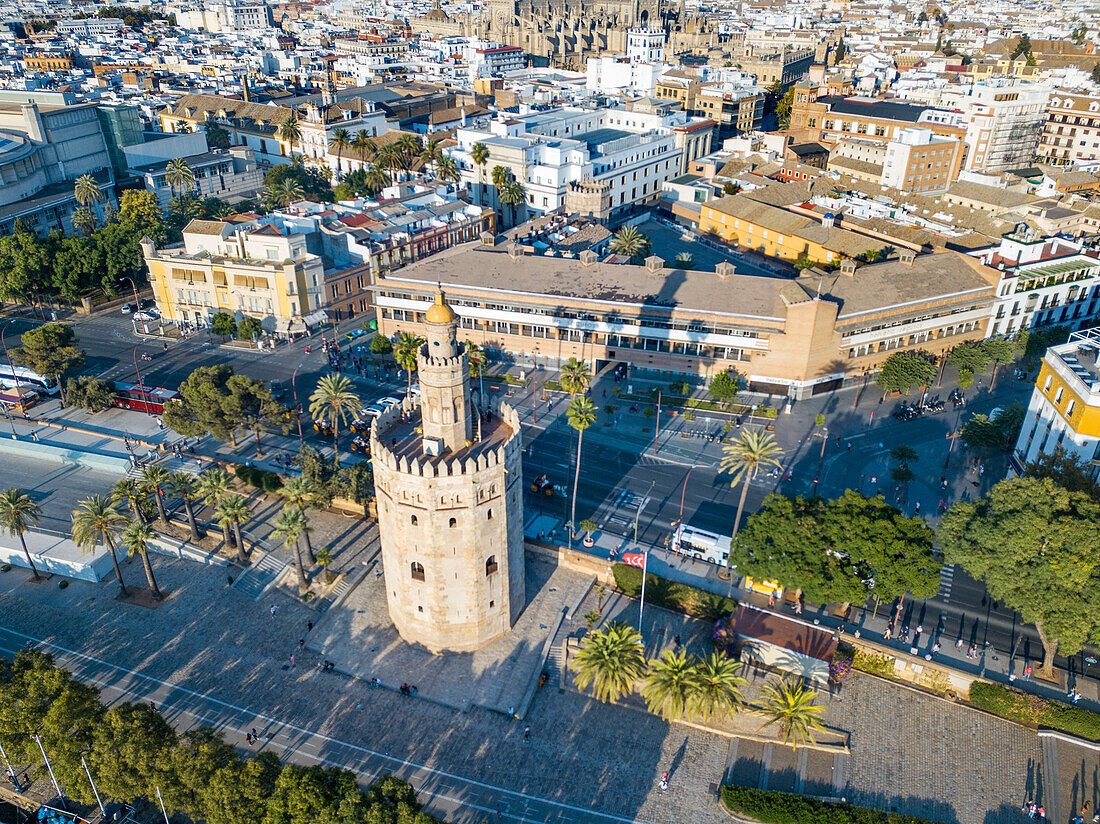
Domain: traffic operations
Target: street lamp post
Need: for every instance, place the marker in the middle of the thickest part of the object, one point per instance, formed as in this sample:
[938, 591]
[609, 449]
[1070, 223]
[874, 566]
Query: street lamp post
[638, 514]
[294, 392]
[137, 305]
[4, 329]
[141, 381]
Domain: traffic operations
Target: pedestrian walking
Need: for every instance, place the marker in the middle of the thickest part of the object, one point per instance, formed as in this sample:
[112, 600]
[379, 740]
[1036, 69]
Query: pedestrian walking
[274, 608]
[255, 734]
[1027, 672]
[248, 738]
[917, 507]
[359, 706]
[293, 663]
[526, 735]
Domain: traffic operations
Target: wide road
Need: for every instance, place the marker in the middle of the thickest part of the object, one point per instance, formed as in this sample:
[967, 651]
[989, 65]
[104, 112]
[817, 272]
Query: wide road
[446, 795]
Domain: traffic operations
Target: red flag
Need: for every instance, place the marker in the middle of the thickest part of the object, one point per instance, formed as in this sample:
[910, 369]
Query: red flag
[636, 559]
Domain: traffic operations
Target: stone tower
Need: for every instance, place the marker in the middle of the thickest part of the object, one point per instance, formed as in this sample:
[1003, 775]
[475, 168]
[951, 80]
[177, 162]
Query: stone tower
[448, 481]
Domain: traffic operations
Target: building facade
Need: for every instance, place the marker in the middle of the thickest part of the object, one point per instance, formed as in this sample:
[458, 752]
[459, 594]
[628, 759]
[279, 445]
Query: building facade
[449, 488]
[229, 175]
[1071, 131]
[918, 160]
[249, 269]
[1064, 411]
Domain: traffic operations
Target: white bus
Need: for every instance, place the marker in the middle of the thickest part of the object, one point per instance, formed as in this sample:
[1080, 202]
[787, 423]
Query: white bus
[698, 543]
[28, 379]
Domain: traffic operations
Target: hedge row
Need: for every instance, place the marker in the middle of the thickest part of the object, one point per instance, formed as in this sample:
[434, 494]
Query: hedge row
[259, 478]
[783, 808]
[672, 595]
[1034, 711]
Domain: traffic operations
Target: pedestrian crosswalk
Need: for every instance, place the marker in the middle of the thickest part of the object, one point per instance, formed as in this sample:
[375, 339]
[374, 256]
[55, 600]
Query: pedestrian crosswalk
[947, 577]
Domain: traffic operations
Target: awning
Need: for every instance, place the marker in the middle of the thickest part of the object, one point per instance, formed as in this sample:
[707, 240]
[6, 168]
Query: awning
[315, 319]
[290, 326]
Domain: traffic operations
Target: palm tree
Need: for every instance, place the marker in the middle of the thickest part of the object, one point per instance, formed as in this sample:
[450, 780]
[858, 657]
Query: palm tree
[155, 478]
[96, 520]
[186, 486]
[87, 190]
[376, 178]
[130, 492]
[754, 449]
[18, 511]
[289, 527]
[364, 147]
[405, 349]
[340, 143]
[718, 691]
[290, 131]
[178, 173]
[501, 175]
[513, 194]
[301, 493]
[671, 684]
[611, 660]
[214, 484]
[575, 377]
[431, 153]
[232, 511]
[446, 169]
[581, 414]
[410, 146]
[325, 558]
[283, 194]
[479, 154]
[136, 539]
[790, 704]
[334, 399]
[389, 158]
[629, 241]
[84, 220]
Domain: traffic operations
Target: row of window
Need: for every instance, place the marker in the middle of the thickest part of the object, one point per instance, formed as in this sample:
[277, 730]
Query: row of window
[417, 572]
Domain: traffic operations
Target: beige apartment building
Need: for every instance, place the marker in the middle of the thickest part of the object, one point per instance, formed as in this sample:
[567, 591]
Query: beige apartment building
[798, 336]
[1071, 132]
[246, 269]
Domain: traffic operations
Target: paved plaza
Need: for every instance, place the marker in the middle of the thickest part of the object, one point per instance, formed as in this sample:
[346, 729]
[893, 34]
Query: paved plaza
[360, 639]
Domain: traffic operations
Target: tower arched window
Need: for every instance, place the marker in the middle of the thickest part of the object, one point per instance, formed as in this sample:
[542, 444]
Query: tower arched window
[491, 565]
[452, 523]
[417, 571]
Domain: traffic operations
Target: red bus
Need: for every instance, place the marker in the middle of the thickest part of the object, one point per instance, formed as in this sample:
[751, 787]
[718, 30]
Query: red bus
[151, 400]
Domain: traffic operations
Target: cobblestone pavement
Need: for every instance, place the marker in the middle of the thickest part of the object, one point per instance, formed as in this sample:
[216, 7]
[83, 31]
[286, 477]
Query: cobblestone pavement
[908, 750]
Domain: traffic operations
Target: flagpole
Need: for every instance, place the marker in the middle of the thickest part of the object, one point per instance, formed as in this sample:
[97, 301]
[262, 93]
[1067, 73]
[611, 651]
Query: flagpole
[641, 604]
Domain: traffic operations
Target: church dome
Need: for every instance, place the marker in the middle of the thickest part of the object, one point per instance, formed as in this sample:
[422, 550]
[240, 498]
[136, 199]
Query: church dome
[440, 312]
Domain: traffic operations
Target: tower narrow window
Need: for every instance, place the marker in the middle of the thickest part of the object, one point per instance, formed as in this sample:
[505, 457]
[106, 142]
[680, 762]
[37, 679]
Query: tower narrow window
[417, 571]
[490, 565]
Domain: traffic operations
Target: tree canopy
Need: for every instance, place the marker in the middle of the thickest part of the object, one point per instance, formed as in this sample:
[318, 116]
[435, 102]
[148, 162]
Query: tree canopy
[50, 349]
[903, 371]
[725, 385]
[994, 432]
[1033, 543]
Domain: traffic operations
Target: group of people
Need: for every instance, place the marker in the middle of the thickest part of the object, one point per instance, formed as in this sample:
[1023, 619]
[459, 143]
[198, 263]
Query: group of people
[408, 690]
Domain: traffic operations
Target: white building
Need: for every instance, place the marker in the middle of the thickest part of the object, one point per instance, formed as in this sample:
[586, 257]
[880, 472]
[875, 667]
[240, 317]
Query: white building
[615, 74]
[919, 160]
[89, 27]
[645, 45]
[491, 59]
[1004, 119]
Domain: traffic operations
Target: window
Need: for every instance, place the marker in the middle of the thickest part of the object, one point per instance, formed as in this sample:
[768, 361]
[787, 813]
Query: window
[452, 523]
[491, 565]
[1046, 386]
[417, 571]
[1058, 395]
[489, 515]
[414, 520]
[1069, 408]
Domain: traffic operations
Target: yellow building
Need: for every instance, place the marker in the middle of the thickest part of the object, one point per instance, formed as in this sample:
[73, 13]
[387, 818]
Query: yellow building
[1065, 405]
[779, 233]
[252, 269]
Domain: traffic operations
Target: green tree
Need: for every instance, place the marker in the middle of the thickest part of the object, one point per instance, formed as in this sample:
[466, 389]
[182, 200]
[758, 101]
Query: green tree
[513, 194]
[335, 399]
[1066, 470]
[251, 405]
[203, 407]
[789, 704]
[725, 385]
[231, 511]
[217, 136]
[581, 414]
[575, 377]
[195, 763]
[96, 520]
[783, 109]
[89, 393]
[84, 220]
[301, 493]
[18, 511]
[629, 241]
[380, 344]
[743, 458]
[479, 154]
[994, 433]
[49, 349]
[903, 371]
[131, 753]
[128, 491]
[1000, 352]
[447, 170]
[1094, 75]
[238, 792]
[970, 356]
[120, 246]
[364, 147]
[1033, 544]
[79, 267]
[671, 684]
[405, 349]
[214, 483]
[155, 479]
[1022, 49]
[325, 558]
[611, 660]
[177, 174]
[320, 794]
[222, 323]
[290, 132]
[341, 141]
[187, 487]
[140, 210]
[87, 191]
[289, 527]
[136, 538]
[718, 687]
[26, 264]
[248, 328]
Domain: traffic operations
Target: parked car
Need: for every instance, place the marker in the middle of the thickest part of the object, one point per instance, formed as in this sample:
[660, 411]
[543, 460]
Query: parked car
[144, 316]
[388, 401]
[374, 410]
[278, 391]
[127, 308]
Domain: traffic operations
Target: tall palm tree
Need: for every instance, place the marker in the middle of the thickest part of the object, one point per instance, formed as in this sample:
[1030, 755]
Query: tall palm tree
[405, 349]
[389, 157]
[283, 194]
[671, 684]
[97, 520]
[214, 484]
[501, 175]
[629, 241]
[376, 178]
[611, 660]
[18, 511]
[335, 399]
[340, 143]
[575, 377]
[130, 492]
[301, 493]
[325, 558]
[431, 153]
[232, 511]
[479, 154]
[446, 169]
[289, 527]
[364, 147]
[155, 478]
[718, 691]
[186, 486]
[581, 414]
[290, 131]
[136, 539]
[84, 220]
[178, 173]
[513, 194]
[792, 706]
[410, 146]
[754, 449]
[87, 191]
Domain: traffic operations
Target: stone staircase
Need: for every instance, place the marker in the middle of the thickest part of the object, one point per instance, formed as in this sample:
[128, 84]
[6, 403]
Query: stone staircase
[255, 581]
